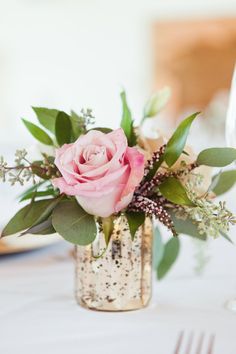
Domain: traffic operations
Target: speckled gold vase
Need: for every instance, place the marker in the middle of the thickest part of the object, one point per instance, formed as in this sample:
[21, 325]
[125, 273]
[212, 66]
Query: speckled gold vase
[118, 278]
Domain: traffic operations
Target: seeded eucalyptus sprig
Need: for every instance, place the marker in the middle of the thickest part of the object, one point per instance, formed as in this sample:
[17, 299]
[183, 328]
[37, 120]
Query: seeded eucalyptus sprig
[3, 169]
[20, 173]
[24, 170]
[210, 218]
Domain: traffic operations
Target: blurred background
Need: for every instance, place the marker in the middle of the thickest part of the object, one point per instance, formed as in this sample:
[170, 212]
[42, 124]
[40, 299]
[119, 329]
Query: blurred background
[70, 54]
[79, 53]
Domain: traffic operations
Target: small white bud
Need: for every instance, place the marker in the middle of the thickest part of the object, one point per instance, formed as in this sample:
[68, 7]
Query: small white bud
[157, 102]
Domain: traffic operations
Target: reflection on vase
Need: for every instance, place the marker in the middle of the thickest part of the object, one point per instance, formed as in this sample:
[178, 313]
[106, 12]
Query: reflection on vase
[117, 278]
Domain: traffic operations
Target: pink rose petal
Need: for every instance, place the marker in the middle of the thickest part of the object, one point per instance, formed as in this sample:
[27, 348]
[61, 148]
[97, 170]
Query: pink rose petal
[100, 170]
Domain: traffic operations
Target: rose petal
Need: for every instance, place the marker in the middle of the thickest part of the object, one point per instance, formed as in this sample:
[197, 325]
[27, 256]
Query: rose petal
[94, 137]
[64, 162]
[136, 162]
[120, 143]
[101, 206]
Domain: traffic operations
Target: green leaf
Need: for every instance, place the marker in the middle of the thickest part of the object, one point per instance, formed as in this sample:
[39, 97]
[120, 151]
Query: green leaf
[46, 117]
[38, 194]
[214, 182]
[186, 227]
[154, 169]
[26, 217]
[31, 189]
[133, 138]
[41, 172]
[135, 220]
[102, 129]
[185, 153]
[77, 129]
[39, 225]
[158, 248]
[226, 237]
[170, 255]
[73, 223]
[48, 209]
[63, 128]
[224, 182]
[108, 227]
[157, 102]
[217, 157]
[44, 228]
[175, 192]
[177, 142]
[38, 133]
[127, 121]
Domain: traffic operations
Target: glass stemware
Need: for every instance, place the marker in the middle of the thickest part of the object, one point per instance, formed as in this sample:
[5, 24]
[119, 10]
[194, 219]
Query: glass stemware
[230, 128]
[230, 135]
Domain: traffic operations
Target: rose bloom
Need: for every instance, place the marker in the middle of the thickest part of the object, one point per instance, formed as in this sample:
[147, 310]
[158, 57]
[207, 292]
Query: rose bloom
[100, 170]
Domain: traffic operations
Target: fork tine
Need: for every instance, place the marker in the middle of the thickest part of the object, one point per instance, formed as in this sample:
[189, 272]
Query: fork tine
[199, 344]
[189, 344]
[179, 341]
[211, 344]
[190, 341]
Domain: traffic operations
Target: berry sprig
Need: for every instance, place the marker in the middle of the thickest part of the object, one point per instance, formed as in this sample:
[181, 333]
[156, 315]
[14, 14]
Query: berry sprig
[152, 208]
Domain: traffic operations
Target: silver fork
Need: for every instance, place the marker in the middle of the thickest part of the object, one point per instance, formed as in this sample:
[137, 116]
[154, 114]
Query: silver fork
[188, 347]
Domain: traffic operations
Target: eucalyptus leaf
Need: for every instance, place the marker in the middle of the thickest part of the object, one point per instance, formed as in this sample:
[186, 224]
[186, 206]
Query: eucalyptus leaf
[38, 133]
[217, 157]
[44, 228]
[135, 220]
[177, 142]
[175, 192]
[224, 182]
[127, 121]
[214, 182]
[26, 217]
[170, 255]
[73, 223]
[48, 209]
[158, 248]
[157, 102]
[46, 117]
[63, 128]
[186, 227]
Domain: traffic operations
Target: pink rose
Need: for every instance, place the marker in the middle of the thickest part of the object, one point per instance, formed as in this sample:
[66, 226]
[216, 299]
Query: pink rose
[100, 170]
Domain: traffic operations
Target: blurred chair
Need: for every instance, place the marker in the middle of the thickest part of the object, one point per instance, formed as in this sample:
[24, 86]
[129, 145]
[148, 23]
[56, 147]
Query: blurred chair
[196, 58]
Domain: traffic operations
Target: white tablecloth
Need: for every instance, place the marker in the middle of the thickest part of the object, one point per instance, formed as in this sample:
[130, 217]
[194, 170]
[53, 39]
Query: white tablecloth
[38, 313]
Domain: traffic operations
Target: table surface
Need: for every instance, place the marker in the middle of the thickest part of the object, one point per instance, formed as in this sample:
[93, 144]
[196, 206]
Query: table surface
[38, 313]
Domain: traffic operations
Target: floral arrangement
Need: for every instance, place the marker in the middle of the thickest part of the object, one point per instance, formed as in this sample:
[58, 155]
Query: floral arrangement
[97, 173]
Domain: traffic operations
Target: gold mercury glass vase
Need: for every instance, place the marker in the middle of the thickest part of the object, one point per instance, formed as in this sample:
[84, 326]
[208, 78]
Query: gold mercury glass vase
[119, 277]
